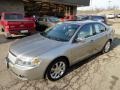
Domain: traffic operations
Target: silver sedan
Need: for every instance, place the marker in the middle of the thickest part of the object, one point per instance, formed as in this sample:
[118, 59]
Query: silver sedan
[50, 53]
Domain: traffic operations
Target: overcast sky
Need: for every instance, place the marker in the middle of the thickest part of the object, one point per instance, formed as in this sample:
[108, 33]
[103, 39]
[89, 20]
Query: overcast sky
[102, 4]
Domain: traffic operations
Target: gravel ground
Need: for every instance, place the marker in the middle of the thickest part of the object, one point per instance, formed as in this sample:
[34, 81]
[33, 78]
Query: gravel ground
[99, 72]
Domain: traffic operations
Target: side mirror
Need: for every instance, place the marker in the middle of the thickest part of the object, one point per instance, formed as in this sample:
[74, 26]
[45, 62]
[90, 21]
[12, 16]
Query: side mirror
[79, 39]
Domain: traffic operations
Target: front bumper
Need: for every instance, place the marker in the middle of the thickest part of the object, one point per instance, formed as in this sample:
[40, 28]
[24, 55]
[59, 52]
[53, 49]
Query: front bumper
[26, 73]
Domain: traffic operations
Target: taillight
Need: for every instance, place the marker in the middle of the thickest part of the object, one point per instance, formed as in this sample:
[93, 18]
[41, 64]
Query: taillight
[7, 26]
[34, 25]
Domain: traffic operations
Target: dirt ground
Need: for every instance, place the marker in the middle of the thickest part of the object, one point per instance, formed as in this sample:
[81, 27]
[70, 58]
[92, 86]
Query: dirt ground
[99, 72]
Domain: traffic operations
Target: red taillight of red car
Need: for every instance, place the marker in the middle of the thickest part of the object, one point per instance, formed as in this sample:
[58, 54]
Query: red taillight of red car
[34, 25]
[7, 27]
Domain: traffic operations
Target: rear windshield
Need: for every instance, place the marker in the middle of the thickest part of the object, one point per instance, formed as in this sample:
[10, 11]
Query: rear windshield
[53, 19]
[13, 16]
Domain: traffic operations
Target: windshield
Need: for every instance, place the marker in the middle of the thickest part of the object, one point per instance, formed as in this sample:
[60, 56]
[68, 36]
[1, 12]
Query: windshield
[61, 32]
[13, 16]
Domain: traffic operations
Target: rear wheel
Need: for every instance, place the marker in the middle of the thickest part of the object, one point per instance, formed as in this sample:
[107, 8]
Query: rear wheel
[7, 35]
[27, 34]
[107, 47]
[2, 30]
[57, 69]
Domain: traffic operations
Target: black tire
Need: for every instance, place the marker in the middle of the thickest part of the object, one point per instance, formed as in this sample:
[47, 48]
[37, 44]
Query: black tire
[27, 34]
[2, 30]
[104, 49]
[48, 73]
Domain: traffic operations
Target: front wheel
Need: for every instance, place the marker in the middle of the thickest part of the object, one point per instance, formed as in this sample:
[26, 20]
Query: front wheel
[57, 69]
[107, 47]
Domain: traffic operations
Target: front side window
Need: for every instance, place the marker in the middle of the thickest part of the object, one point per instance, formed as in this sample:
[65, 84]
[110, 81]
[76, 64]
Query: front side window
[86, 31]
[61, 32]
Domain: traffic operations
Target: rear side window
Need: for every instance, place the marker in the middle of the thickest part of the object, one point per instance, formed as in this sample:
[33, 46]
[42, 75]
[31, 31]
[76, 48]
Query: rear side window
[99, 28]
[13, 16]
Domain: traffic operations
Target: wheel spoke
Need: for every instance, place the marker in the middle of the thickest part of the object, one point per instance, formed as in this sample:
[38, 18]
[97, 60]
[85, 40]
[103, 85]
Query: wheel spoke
[52, 74]
[57, 70]
[56, 65]
[61, 64]
[107, 47]
[52, 69]
[56, 75]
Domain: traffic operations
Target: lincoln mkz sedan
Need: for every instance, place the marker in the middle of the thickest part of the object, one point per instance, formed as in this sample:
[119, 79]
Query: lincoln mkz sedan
[49, 54]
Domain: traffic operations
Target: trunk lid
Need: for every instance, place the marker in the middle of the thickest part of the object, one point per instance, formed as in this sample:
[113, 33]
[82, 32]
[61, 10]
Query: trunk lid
[20, 24]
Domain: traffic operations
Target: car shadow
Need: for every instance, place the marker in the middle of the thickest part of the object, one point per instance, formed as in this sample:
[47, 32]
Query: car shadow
[116, 42]
[81, 63]
[3, 40]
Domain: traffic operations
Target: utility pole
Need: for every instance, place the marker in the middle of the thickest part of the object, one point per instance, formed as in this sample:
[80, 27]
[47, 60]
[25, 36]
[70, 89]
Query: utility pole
[91, 4]
[109, 1]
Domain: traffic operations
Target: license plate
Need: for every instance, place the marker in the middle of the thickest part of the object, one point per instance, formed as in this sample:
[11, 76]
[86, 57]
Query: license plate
[24, 31]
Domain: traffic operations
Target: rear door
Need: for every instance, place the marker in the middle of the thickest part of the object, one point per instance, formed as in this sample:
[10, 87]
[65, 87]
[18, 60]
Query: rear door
[83, 49]
[100, 37]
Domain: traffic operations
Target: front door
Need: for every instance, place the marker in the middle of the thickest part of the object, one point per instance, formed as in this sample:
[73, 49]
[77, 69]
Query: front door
[83, 48]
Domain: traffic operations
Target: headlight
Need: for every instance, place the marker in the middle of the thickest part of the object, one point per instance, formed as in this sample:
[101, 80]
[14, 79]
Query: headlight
[30, 63]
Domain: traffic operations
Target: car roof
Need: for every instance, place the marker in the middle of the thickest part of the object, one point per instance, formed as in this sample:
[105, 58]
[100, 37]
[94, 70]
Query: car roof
[93, 15]
[81, 22]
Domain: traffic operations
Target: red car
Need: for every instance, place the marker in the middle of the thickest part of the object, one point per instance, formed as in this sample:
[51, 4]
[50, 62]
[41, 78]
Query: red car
[15, 24]
[68, 18]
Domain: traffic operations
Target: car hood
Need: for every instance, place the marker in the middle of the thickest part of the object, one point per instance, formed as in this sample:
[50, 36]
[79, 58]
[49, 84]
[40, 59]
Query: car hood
[33, 46]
